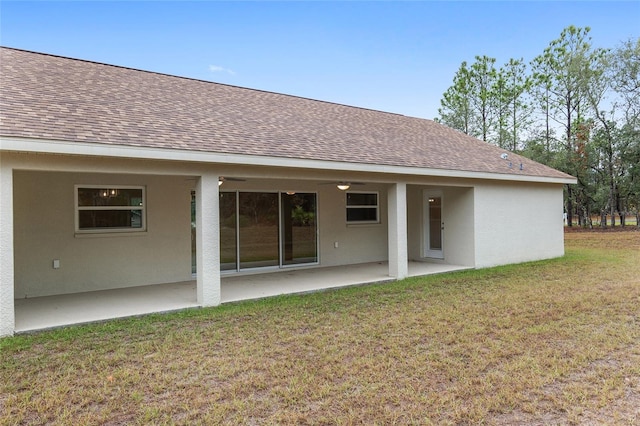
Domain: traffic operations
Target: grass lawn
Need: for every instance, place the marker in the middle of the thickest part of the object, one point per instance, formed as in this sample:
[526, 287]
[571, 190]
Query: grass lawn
[552, 342]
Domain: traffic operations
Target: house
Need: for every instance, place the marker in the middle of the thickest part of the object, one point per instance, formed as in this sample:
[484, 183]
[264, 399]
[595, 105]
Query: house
[114, 178]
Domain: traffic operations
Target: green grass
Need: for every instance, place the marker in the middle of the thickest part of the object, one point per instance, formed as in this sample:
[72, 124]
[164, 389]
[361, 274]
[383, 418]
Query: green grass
[552, 342]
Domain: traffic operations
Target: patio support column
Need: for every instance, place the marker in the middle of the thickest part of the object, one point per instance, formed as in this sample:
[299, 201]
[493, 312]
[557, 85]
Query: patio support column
[208, 241]
[397, 222]
[7, 306]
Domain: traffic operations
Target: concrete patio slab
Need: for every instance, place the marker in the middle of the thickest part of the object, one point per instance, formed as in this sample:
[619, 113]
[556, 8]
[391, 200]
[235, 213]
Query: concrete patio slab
[56, 311]
[254, 286]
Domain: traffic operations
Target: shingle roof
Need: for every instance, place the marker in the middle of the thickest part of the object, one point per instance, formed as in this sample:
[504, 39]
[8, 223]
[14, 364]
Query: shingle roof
[54, 98]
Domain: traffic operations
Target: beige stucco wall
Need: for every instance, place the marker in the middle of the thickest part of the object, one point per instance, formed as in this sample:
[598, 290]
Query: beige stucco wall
[457, 215]
[357, 243]
[517, 222]
[486, 222]
[44, 230]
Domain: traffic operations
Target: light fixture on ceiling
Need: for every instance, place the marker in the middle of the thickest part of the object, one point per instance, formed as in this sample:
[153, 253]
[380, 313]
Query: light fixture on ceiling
[108, 193]
[291, 192]
[223, 179]
[342, 185]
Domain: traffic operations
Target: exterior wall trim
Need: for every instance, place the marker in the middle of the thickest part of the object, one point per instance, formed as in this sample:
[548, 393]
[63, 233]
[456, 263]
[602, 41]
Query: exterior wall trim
[120, 151]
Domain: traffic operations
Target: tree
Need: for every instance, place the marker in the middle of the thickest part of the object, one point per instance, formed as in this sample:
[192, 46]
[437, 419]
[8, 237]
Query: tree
[624, 74]
[513, 107]
[597, 86]
[483, 77]
[455, 110]
[468, 105]
[587, 105]
[630, 182]
[560, 74]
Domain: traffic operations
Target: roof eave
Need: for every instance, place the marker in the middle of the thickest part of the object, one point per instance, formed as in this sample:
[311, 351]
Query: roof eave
[31, 145]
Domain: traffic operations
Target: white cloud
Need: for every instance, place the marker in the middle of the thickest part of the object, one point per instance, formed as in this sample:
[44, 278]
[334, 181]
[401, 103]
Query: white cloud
[216, 68]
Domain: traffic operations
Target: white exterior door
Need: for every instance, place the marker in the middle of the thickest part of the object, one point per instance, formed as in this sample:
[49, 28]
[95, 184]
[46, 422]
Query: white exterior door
[433, 225]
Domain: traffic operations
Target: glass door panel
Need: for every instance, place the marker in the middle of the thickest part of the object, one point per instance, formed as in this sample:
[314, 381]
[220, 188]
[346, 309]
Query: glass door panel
[435, 218]
[258, 234]
[193, 232]
[228, 232]
[433, 225]
[299, 229]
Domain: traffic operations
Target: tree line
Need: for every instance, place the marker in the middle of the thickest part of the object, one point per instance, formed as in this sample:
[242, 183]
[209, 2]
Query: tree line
[574, 107]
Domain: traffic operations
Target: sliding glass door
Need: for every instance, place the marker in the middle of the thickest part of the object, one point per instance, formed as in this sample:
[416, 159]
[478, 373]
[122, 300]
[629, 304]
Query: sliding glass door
[267, 229]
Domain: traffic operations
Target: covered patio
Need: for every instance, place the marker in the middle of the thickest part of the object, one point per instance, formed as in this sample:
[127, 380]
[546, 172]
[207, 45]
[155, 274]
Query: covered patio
[115, 194]
[55, 311]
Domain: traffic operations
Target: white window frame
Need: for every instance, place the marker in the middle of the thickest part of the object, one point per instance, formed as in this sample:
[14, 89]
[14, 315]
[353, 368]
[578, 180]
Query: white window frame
[376, 207]
[142, 208]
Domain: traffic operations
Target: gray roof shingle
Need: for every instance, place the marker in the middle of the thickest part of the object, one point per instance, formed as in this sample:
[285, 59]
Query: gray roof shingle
[55, 98]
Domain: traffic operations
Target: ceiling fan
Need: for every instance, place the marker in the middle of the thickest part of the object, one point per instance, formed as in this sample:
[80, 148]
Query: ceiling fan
[223, 179]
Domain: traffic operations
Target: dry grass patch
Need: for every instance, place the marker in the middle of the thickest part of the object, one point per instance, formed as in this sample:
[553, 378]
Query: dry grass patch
[553, 342]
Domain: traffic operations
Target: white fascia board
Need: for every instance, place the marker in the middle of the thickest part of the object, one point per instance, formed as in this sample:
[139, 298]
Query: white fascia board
[146, 153]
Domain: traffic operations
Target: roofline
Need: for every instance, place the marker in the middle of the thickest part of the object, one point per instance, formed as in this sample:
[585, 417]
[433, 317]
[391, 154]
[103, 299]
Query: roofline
[201, 80]
[41, 146]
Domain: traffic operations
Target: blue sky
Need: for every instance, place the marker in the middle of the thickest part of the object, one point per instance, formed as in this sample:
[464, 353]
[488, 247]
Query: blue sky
[390, 56]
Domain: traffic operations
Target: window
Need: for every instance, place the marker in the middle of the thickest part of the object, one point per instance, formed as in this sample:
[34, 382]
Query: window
[110, 208]
[362, 207]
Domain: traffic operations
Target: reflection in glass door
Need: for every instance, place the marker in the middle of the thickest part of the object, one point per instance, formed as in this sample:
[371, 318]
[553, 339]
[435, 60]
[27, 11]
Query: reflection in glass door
[433, 225]
[299, 229]
[258, 239]
[228, 234]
